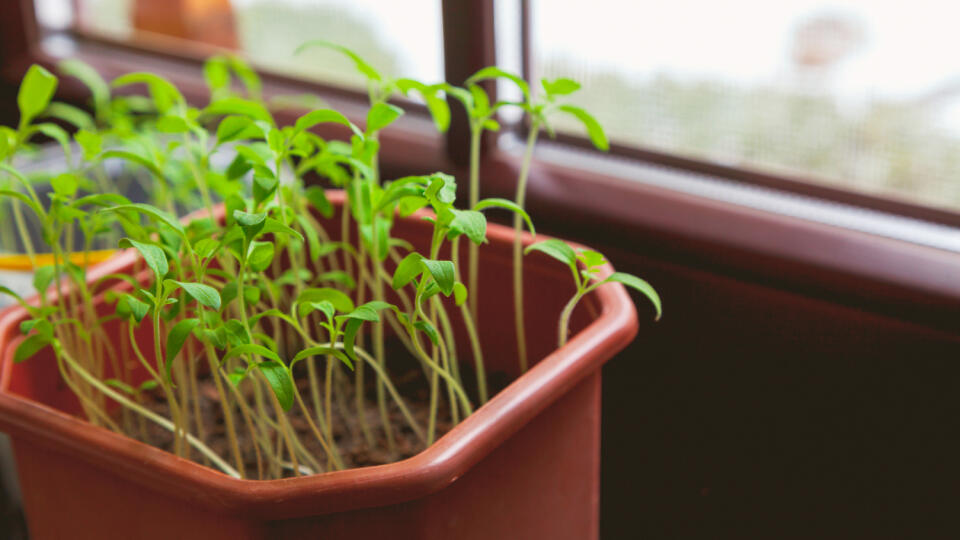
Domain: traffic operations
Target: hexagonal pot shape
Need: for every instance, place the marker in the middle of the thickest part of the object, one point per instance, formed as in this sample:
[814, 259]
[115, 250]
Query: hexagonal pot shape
[524, 465]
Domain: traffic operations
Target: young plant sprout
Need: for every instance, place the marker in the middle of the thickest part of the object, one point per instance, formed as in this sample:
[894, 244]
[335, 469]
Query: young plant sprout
[586, 278]
[247, 312]
[539, 109]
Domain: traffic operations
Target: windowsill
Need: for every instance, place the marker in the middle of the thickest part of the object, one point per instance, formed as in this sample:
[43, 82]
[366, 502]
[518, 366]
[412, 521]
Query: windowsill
[770, 200]
[869, 259]
[903, 267]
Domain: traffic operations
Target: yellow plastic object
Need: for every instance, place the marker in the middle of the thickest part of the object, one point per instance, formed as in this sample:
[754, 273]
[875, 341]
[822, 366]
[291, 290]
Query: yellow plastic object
[21, 262]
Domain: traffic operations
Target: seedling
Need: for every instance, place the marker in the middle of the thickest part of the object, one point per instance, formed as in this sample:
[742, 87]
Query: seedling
[249, 294]
[539, 108]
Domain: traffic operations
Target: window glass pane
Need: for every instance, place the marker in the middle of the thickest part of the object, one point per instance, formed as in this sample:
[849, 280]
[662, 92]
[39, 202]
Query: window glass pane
[857, 93]
[397, 38]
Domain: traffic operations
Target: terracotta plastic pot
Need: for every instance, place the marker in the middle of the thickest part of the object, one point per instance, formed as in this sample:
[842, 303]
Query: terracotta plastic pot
[525, 465]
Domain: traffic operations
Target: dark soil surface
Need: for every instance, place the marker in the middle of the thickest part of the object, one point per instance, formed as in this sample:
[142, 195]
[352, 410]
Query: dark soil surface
[407, 376]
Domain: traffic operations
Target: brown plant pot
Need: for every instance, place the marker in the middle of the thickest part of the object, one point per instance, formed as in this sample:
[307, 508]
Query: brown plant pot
[524, 465]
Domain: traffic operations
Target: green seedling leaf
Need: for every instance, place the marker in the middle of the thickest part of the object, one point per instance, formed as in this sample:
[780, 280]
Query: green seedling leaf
[338, 299]
[509, 205]
[432, 95]
[87, 75]
[266, 340]
[175, 340]
[382, 115]
[217, 337]
[429, 291]
[497, 73]
[36, 91]
[228, 293]
[234, 128]
[74, 116]
[204, 294]
[251, 224]
[246, 74]
[172, 124]
[260, 255]
[559, 87]
[239, 106]
[324, 307]
[91, 144]
[135, 158]
[290, 277]
[338, 276]
[100, 199]
[367, 312]
[318, 198]
[263, 187]
[57, 133]
[237, 334]
[274, 226]
[363, 67]
[439, 111]
[402, 188]
[471, 223]
[120, 385]
[408, 269]
[354, 319]
[239, 167]
[594, 130]
[443, 188]
[251, 349]
[9, 292]
[216, 74]
[640, 285]
[323, 116]
[280, 382]
[205, 247]
[350, 336]
[271, 313]
[251, 294]
[557, 249]
[42, 326]
[164, 94]
[65, 184]
[246, 219]
[25, 200]
[480, 100]
[237, 376]
[131, 306]
[321, 351]
[429, 330]
[148, 385]
[154, 213]
[443, 273]
[43, 278]
[154, 256]
[459, 293]
[591, 259]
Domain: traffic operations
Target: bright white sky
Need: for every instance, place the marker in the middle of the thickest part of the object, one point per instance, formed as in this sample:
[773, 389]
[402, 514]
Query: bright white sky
[413, 27]
[910, 46]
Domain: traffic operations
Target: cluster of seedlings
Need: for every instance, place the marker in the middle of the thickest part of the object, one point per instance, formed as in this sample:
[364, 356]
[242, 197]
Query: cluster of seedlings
[250, 323]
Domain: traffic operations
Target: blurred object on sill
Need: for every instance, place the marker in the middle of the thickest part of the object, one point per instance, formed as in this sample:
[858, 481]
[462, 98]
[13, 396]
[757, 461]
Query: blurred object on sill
[206, 21]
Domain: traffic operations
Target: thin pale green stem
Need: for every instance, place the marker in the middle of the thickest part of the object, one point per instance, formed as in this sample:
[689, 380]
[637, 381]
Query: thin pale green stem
[518, 312]
[473, 253]
[148, 414]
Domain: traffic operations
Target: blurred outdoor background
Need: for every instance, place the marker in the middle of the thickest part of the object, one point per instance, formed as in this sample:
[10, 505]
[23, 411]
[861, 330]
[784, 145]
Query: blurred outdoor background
[861, 94]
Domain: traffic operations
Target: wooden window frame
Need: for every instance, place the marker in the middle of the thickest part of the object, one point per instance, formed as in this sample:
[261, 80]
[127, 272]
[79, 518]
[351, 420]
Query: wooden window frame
[901, 279]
